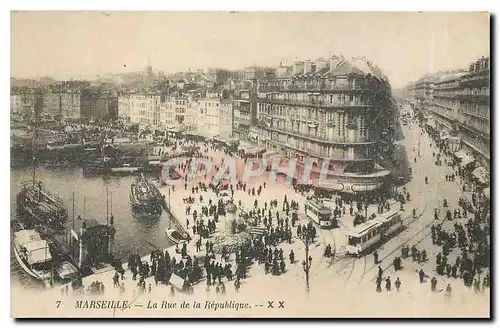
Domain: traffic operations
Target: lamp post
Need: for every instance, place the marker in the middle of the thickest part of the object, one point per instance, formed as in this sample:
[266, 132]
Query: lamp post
[306, 264]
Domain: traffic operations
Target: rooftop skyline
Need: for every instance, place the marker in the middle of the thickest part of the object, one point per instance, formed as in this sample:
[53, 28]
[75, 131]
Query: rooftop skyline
[404, 45]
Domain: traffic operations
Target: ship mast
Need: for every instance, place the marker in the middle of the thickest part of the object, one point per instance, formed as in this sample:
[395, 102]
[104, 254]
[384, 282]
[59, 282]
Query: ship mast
[84, 205]
[111, 204]
[107, 207]
[36, 118]
[73, 221]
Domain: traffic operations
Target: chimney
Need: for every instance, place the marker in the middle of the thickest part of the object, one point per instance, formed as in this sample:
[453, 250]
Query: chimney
[298, 68]
[334, 61]
[307, 66]
[320, 64]
[281, 71]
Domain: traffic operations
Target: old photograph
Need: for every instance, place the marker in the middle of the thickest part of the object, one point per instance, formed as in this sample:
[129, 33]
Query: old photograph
[250, 164]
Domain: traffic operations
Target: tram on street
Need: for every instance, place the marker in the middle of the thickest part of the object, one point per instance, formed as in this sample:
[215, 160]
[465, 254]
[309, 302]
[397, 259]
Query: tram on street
[372, 232]
[320, 214]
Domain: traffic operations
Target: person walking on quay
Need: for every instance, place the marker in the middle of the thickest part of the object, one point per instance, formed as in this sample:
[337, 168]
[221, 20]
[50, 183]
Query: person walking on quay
[375, 257]
[397, 284]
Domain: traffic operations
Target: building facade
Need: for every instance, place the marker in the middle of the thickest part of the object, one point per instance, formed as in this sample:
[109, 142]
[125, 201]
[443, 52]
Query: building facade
[70, 104]
[143, 107]
[124, 107]
[459, 104]
[475, 120]
[243, 109]
[191, 117]
[208, 117]
[226, 120]
[26, 102]
[333, 110]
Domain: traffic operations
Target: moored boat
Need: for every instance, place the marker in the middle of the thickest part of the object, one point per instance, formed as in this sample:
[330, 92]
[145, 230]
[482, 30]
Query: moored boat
[145, 199]
[36, 203]
[176, 236]
[33, 254]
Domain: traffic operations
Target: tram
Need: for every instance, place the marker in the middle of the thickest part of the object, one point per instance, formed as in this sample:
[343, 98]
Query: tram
[320, 214]
[372, 232]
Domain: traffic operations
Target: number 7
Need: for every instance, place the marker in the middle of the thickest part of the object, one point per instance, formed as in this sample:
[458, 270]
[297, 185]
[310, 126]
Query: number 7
[58, 303]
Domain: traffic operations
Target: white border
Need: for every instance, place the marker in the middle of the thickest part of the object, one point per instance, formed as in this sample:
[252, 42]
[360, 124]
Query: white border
[217, 5]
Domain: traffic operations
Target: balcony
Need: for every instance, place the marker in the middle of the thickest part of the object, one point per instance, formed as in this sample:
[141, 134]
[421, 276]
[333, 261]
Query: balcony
[302, 118]
[473, 78]
[315, 154]
[312, 88]
[318, 139]
[482, 117]
[317, 103]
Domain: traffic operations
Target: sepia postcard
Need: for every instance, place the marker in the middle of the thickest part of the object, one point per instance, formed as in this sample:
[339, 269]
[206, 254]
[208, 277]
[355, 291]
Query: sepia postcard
[250, 164]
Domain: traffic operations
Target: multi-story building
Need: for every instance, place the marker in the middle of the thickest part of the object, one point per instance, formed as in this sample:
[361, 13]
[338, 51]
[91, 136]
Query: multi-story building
[208, 117]
[250, 73]
[144, 107]
[69, 104]
[22, 103]
[25, 102]
[226, 120]
[98, 106]
[217, 75]
[460, 106]
[243, 111]
[336, 110]
[124, 107]
[191, 117]
[474, 122]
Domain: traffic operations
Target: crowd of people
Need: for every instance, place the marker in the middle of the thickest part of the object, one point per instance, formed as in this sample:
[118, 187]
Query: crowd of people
[470, 239]
[279, 224]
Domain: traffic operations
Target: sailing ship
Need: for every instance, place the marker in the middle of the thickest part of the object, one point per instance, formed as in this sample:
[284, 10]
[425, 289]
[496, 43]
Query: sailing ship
[36, 203]
[146, 200]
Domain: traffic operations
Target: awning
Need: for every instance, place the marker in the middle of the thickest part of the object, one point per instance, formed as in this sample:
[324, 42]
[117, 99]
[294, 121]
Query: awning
[361, 187]
[460, 154]
[272, 155]
[255, 150]
[245, 147]
[466, 161]
[481, 174]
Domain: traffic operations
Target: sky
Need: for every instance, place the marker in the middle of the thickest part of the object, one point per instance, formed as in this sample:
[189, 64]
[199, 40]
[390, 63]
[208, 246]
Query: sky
[404, 45]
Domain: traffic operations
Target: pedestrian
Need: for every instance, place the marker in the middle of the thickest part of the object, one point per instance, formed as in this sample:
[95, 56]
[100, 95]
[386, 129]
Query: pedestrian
[448, 291]
[379, 282]
[388, 284]
[237, 285]
[397, 284]
[421, 275]
[375, 257]
[434, 284]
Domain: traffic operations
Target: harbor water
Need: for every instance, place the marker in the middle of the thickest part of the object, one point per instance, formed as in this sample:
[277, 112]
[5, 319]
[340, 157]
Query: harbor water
[131, 234]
